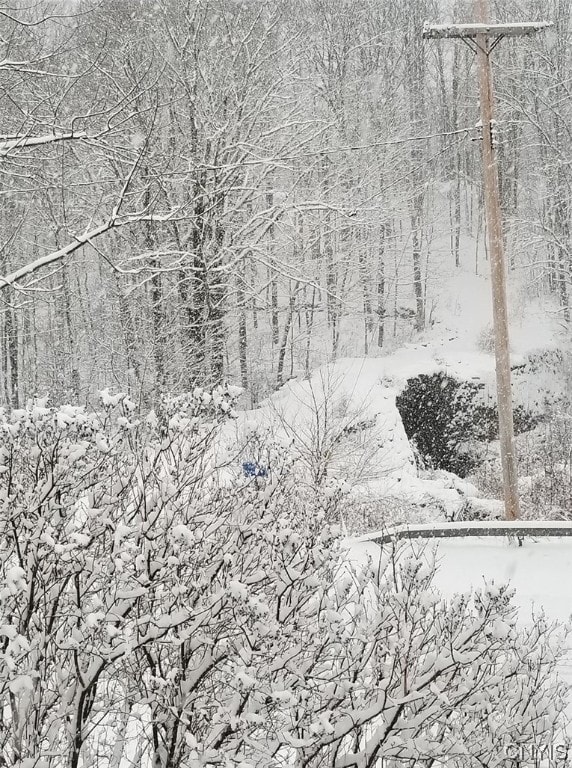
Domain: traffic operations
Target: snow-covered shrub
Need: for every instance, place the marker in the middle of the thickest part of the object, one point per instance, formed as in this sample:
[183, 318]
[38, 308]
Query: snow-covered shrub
[486, 340]
[334, 429]
[545, 469]
[150, 617]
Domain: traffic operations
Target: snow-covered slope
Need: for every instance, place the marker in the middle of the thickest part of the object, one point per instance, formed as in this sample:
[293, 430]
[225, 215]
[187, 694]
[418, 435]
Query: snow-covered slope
[342, 421]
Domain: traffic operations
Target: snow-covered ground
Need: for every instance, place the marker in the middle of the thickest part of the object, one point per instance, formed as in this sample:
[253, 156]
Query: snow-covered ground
[540, 570]
[343, 419]
[347, 410]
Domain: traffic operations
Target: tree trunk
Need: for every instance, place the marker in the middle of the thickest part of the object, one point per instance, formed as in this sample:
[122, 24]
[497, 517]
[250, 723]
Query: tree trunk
[285, 334]
[365, 280]
[417, 267]
[11, 335]
[309, 316]
[416, 71]
[242, 329]
[381, 287]
[274, 318]
[129, 338]
[70, 331]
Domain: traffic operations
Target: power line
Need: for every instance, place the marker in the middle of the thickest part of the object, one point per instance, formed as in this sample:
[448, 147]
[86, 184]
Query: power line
[334, 150]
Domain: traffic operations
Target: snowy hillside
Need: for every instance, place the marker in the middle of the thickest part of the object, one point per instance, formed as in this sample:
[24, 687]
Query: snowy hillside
[343, 423]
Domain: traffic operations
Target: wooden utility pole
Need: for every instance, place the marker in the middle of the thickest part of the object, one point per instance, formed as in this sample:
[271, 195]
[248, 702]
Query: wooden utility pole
[478, 37]
[498, 273]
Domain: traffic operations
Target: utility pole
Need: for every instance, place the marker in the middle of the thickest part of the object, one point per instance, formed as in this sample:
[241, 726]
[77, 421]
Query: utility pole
[478, 37]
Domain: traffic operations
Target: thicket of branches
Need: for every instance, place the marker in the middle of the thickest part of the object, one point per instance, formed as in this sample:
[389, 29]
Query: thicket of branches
[150, 613]
[207, 189]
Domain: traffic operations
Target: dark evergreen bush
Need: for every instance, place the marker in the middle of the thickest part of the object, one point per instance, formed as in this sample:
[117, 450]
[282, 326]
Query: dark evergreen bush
[443, 417]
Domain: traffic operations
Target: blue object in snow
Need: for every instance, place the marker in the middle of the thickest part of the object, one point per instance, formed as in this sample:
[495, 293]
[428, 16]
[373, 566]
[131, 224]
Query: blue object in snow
[254, 469]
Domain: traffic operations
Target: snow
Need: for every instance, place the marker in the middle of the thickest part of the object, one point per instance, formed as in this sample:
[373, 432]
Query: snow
[15, 581]
[540, 572]
[238, 590]
[20, 142]
[347, 409]
[540, 528]
[21, 684]
[345, 415]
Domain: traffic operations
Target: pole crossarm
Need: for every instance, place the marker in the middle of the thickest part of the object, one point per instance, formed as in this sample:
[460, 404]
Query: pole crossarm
[470, 31]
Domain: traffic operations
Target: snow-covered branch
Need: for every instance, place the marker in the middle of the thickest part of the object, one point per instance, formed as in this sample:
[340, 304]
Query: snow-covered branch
[22, 142]
[79, 241]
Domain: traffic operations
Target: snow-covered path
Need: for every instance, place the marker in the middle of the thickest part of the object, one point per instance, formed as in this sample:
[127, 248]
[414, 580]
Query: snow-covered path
[540, 571]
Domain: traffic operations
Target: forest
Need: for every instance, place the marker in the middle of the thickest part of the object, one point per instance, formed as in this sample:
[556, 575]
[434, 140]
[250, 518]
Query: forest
[198, 192]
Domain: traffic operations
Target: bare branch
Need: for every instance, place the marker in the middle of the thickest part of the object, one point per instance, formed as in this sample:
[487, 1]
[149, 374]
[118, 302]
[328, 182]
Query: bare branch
[79, 241]
[19, 142]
